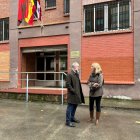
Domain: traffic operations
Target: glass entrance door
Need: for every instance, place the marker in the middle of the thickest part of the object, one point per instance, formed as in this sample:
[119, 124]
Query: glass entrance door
[50, 67]
[51, 62]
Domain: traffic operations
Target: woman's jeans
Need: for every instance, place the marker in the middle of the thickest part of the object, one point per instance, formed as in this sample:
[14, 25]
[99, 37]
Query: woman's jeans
[98, 103]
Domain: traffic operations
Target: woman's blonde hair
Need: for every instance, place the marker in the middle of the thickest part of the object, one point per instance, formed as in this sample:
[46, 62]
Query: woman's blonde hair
[97, 67]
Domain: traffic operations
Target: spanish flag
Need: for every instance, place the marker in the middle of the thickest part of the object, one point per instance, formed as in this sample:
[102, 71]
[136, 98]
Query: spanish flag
[30, 10]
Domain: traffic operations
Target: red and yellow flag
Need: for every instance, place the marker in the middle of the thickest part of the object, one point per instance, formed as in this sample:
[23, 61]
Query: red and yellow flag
[30, 10]
[21, 10]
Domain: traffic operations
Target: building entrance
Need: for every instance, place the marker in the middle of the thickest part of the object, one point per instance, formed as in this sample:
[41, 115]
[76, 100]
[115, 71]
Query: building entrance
[50, 62]
[50, 59]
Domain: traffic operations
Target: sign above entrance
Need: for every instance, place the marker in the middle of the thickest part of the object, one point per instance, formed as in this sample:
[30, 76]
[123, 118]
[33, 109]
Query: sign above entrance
[74, 54]
[44, 49]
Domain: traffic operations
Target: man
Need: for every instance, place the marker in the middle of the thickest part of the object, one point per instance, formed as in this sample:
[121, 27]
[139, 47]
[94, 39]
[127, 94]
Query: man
[75, 95]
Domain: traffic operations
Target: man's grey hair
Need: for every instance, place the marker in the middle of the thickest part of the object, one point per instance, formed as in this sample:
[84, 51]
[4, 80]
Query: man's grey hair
[75, 64]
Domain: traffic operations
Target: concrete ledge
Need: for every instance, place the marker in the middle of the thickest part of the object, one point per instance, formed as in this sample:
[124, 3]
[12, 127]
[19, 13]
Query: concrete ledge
[34, 97]
[118, 103]
[105, 103]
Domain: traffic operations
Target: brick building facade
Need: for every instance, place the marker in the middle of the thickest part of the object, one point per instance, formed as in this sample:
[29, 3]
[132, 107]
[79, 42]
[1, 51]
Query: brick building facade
[87, 31]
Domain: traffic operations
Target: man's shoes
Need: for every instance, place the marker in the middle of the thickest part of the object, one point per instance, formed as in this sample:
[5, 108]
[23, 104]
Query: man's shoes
[76, 121]
[70, 124]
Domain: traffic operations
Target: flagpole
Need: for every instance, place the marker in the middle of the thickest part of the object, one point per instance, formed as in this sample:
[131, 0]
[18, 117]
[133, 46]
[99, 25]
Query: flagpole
[41, 25]
[38, 14]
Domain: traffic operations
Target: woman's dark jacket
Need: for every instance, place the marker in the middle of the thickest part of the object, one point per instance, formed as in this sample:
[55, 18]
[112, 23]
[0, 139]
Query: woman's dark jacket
[96, 78]
[75, 93]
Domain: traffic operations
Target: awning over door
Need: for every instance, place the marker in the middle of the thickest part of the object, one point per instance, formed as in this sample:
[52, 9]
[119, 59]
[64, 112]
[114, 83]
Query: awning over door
[44, 49]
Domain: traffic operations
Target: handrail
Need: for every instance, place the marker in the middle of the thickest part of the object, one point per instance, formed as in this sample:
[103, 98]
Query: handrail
[27, 80]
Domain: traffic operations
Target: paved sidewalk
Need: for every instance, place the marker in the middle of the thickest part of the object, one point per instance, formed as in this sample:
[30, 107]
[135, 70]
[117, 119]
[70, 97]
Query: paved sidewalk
[43, 121]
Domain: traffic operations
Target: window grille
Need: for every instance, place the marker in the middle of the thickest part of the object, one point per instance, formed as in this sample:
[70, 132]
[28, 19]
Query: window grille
[66, 6]
[4, 29]
[113, 15]
[50, 3]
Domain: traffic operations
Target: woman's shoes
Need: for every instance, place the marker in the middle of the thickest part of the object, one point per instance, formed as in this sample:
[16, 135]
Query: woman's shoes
[97, 118]
[96, 122]
[91, 120]
[91, 116]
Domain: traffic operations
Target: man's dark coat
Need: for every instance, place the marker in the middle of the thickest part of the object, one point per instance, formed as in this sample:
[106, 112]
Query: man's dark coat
[75, 93]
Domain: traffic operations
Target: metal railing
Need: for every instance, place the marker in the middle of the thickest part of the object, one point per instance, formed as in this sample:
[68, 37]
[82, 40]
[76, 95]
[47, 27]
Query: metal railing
[27, 79]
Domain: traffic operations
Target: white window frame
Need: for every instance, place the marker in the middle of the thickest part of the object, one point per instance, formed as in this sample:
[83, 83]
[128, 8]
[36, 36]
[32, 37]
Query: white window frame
[106, 18]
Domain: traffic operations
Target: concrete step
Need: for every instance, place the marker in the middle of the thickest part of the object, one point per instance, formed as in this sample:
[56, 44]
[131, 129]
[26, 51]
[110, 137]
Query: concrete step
[117, 103]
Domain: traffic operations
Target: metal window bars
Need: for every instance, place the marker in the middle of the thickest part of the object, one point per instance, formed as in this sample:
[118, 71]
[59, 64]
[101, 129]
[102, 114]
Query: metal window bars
[107, 16]
[66, 6]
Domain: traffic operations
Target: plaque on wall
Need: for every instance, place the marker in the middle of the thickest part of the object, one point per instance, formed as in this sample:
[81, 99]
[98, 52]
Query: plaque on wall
[74, 54]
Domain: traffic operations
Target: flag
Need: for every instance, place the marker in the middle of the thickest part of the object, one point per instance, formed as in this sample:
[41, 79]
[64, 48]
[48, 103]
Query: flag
[30, 10]
[37, 14]
[21, 10]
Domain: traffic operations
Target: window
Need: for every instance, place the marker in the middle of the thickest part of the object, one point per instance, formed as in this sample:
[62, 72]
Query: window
[50, 3]
[114, 15]
[99, 17]
[124, 15]
[4, 29]
[66, 6]
[89, 19]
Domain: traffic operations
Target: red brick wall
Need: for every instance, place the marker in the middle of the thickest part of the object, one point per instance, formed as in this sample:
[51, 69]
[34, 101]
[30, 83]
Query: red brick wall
[115, 54]
[4, 61]
[4, 47]
[4, 8]
[54, 15]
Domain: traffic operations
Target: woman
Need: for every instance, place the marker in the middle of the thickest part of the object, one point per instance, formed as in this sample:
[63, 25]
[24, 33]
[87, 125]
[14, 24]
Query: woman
[95, 83]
